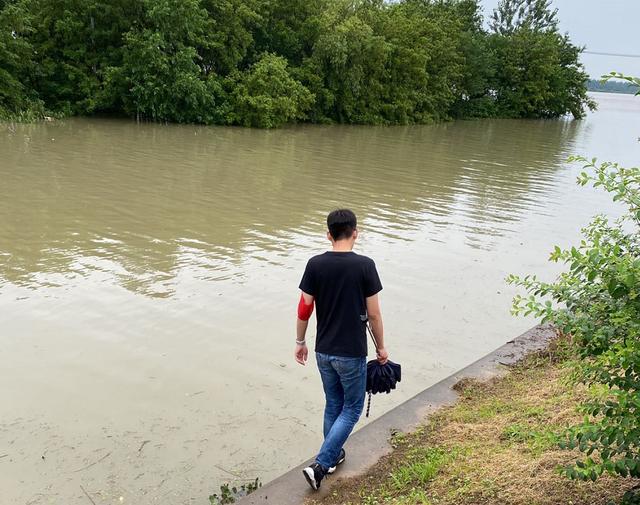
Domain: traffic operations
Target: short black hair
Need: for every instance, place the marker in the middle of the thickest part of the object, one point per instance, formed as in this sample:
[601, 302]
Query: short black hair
[341, 223]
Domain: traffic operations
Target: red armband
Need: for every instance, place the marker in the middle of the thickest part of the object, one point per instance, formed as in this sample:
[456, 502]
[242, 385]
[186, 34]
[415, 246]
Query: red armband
[304, 310]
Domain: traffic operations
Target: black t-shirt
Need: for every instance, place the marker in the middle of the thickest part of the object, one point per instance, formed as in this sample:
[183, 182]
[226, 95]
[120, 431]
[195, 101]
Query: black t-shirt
[340, 282]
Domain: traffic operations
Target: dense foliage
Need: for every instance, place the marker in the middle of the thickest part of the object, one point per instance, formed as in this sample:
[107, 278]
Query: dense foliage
[267, 62]
[597, 302]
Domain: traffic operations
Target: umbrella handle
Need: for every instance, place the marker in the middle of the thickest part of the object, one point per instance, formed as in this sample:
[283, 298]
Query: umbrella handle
[368, 405]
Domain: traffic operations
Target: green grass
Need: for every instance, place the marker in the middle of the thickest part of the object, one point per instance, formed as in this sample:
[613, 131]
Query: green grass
[497, 446]
[422, 466]
[535, 440]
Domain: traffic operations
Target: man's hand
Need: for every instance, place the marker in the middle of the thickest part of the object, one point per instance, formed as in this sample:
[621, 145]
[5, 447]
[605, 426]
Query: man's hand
[301, 354]
[382, 355]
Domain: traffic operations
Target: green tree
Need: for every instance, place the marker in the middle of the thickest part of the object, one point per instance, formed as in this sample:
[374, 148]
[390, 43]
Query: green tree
[397, 63]
[74, 41]
[444, 32]
[474, 94]
[160, 77]
[351, 60]
[265, 95]
[16, 64]
[513, 15]
[290, 28]
[403, 91]
[230, 36]
[538, 71]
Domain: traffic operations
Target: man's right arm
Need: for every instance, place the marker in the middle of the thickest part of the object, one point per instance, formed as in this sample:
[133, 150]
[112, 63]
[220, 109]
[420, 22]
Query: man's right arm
[375, 319]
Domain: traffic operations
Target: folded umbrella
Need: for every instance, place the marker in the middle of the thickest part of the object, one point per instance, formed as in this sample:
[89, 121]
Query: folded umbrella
[381, 378]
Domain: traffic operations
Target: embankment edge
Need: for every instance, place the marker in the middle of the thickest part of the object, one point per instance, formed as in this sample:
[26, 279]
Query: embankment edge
[367, 445]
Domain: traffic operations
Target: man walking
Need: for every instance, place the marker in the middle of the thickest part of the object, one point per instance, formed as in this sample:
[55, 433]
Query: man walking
[344, 287]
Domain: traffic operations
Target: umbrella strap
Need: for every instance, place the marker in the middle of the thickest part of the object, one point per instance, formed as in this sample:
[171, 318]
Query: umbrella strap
[375, 344]
[366, 323]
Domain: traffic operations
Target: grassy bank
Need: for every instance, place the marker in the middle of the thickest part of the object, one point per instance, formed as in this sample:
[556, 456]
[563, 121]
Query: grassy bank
[497, 445]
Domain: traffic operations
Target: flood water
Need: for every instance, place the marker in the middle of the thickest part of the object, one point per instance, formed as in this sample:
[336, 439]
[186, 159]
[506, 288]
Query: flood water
[148, 282]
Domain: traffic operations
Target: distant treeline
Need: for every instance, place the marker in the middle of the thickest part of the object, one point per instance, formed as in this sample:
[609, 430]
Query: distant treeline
[612, 87]
[268, 62]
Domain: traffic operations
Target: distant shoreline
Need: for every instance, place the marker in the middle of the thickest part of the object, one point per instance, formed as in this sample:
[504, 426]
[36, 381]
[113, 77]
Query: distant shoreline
[617, 87]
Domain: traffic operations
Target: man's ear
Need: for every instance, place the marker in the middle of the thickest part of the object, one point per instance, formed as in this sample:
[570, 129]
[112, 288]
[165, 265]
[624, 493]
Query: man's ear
[329, 237]
[355, 234]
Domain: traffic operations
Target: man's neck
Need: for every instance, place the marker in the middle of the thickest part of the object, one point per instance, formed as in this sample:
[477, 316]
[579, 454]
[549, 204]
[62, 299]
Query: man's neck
[342, 246]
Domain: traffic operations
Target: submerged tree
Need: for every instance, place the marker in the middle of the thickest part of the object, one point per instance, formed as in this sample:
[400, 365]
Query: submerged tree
[539, 74]
[160, 77]
[74, 42]
[16, 64]
[266, 95]
[362, 61]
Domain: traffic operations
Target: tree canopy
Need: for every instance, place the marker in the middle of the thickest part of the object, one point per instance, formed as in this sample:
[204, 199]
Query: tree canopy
[264, 63]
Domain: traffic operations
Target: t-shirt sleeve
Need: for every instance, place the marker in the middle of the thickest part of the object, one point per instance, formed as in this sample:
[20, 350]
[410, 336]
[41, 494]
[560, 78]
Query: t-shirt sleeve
[308, 282]
[372, 284]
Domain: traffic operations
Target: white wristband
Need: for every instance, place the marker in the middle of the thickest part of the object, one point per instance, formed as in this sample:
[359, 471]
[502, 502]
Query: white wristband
[301, 342]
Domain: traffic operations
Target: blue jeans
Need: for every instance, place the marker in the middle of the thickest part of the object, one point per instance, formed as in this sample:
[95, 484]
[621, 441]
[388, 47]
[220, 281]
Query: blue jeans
[344, 381]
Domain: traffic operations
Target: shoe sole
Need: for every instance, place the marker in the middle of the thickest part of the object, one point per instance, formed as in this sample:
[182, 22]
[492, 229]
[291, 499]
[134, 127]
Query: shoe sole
[311, 478]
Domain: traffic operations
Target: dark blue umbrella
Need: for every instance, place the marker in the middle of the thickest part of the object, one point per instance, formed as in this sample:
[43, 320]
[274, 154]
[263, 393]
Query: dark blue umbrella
[381, 378]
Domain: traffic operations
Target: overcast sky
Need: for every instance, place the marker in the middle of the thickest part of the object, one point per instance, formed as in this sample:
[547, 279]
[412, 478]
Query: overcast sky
[604, 26]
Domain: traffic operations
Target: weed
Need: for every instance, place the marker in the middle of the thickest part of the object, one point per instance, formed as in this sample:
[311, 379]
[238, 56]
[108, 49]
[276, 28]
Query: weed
[229, 493]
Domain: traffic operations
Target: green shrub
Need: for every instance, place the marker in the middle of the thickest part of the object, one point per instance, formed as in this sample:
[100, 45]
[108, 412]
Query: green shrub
[596, 301]
[266, 96]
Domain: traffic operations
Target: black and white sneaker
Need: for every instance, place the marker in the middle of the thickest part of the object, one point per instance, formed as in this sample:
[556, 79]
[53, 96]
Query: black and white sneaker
[339, 462]
[314, 474]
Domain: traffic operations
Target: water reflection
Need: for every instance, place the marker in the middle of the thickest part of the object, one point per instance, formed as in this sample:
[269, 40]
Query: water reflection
[141, 202]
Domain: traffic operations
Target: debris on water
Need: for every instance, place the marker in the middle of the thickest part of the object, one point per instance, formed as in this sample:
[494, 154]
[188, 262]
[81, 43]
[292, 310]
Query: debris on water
[144, 442]
[90, 465]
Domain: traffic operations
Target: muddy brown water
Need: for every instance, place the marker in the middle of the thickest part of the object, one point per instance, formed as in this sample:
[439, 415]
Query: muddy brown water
[148, 282]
